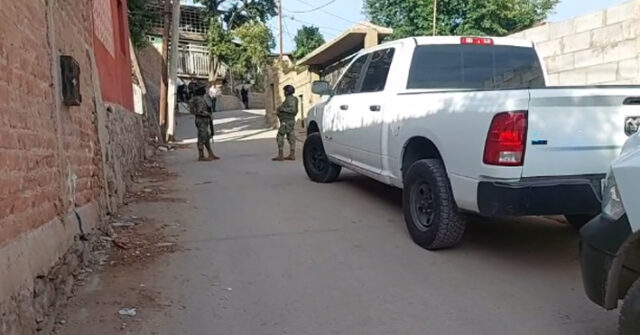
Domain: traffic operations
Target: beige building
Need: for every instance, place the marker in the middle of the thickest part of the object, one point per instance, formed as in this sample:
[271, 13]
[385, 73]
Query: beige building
[326, 63]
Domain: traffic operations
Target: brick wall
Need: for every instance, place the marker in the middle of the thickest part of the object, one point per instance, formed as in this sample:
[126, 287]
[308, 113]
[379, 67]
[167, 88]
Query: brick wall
[53, 158]
[595, 49]
[29, 169]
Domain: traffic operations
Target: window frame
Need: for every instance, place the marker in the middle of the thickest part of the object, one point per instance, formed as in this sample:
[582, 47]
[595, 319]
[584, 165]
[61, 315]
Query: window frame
[358, 85]
[369, 61]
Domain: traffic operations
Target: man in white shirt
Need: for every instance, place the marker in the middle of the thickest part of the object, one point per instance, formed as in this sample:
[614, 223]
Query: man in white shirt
[214, 93]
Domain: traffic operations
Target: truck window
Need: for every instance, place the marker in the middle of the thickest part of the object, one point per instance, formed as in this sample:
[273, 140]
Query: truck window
[375, 78]
[349, 82]
[475, 67]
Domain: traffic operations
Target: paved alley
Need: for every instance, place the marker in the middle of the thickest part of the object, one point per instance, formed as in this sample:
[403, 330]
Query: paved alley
[265, 251]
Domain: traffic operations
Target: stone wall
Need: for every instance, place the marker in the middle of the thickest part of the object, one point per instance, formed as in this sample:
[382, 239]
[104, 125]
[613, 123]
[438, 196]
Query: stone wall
[596, 49]
[56, 160]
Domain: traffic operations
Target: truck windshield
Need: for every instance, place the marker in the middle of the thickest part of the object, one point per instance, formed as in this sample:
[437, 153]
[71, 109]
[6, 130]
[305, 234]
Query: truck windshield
[475, 67]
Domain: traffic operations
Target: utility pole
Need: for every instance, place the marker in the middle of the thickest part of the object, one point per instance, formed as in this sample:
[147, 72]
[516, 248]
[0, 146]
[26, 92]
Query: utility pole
[435, 12]
[280, 15]
[173, 71]
[162, 108]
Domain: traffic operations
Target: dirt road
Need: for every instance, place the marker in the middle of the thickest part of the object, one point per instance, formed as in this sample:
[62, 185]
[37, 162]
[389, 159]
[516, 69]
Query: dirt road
[262, 250]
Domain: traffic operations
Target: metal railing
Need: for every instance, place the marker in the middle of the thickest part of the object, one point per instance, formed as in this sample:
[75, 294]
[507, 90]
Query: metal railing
[193, 61]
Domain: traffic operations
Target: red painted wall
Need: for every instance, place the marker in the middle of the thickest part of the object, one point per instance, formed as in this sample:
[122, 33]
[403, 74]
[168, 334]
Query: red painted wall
[115, 70]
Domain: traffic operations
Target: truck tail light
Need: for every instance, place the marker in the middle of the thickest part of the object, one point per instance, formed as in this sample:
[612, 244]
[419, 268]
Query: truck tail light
[476, 40]
[506, 141]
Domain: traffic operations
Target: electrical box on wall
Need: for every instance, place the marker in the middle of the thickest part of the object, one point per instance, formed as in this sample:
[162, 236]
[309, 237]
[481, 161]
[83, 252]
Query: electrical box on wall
[70, 70]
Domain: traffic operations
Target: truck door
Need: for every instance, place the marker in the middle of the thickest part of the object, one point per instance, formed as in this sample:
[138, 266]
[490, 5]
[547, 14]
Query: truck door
[364, 135]
[338, 117]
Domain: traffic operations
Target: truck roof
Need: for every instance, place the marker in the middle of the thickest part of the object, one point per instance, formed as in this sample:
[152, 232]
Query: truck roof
[426, 40]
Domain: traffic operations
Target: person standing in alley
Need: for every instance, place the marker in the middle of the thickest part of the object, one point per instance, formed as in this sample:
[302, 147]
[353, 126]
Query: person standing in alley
[214, 93]
[244, 93]
[287, 115]
[198, 107]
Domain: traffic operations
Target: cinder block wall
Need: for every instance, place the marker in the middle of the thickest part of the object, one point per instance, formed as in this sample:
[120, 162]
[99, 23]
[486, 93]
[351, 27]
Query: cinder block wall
[600, 48]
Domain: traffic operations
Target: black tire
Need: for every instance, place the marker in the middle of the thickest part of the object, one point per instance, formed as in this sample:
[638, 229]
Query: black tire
[578, 221]
[629, 323]
[430, 211]
[316, 162]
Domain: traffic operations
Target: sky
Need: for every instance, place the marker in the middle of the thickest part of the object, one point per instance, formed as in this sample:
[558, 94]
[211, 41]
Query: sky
[342, 14]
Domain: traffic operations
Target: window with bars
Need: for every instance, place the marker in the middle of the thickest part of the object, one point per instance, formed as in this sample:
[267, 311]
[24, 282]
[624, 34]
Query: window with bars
[192, 18]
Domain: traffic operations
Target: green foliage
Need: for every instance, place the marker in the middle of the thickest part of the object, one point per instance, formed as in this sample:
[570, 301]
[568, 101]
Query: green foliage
[234, 13]
[307, 39]
[140, 19]
[238, 35]
[254, 44]
[458, 17]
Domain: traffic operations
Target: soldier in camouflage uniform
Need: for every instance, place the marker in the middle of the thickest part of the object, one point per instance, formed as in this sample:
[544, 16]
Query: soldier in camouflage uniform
[287, 114]
[198, 107]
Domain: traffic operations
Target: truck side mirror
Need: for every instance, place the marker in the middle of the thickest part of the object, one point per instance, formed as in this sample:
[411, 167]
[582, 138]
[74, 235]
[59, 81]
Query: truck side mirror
[321, 87]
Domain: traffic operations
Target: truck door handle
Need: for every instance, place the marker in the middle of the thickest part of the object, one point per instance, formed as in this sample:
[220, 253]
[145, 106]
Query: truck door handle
[375, 108]
[344, 107]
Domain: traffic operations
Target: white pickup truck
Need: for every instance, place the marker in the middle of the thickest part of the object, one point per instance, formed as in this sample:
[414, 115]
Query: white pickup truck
[467, 125]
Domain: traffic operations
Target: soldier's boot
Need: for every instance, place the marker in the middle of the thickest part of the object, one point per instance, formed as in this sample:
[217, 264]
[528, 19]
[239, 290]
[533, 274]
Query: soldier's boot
[292, 155]
[212, 156]
[201, 157]
[280, 156]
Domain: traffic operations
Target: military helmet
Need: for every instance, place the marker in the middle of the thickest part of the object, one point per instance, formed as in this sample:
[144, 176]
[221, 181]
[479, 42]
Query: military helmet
[289, 90]
[200, 88]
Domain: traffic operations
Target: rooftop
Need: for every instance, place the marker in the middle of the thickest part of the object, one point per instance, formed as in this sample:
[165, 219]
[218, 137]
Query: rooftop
[348, 43]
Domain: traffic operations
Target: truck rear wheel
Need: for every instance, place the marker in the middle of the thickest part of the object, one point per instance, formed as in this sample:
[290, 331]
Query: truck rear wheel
[430, 211]
[630, 313]
[316, 162]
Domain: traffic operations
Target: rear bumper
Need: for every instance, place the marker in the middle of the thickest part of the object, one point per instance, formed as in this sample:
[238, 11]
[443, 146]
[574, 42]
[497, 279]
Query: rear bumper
[541, 196]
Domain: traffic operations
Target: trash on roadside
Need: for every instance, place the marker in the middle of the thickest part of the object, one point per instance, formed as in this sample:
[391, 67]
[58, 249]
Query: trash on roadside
[164, 244]
[163, 148]
[121, 244]
[123, 224]
[127, 311]
[229, 289]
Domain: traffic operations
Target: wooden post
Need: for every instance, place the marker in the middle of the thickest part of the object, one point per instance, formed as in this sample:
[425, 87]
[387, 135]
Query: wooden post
[173, 71]
[435, 12]
[280, 16]
[162, 117]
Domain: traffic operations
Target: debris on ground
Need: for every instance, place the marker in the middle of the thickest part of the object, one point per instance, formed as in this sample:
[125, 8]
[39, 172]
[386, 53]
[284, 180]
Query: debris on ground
[127, 311]
[123, 224]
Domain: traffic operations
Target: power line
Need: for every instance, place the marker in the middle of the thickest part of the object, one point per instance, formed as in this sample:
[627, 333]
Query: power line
[313, 9]
[286, 29]
[312, 24]
[329, 13]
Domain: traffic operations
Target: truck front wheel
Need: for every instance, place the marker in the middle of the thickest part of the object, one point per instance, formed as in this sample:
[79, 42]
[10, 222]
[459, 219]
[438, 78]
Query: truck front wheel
[316, 162]
[630, 312]
[430, 211]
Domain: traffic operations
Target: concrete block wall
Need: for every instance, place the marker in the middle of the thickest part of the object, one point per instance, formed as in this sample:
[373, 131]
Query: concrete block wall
[601, 48]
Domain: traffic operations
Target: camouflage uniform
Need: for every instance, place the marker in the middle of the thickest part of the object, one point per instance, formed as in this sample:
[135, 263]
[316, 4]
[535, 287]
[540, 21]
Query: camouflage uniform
[287, 114]
[198, 107]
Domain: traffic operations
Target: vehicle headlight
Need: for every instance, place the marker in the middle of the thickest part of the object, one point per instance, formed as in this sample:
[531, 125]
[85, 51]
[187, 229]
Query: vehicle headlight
[612, 206]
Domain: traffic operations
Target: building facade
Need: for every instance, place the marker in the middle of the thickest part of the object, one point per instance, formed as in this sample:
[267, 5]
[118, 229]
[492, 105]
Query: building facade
[326, 62]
